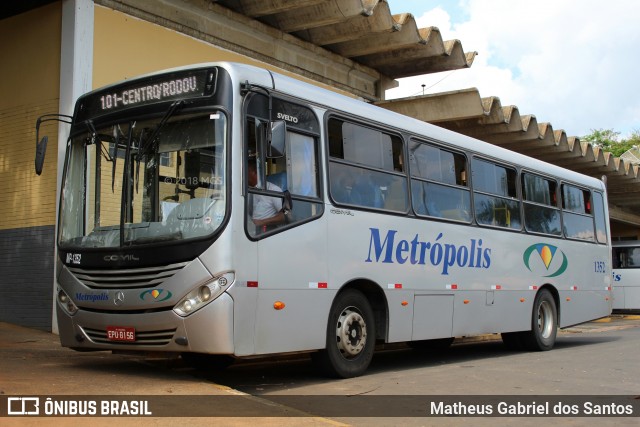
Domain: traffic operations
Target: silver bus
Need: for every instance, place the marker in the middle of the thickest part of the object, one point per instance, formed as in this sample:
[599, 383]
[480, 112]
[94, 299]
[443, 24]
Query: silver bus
[626, 275]
[222, 210]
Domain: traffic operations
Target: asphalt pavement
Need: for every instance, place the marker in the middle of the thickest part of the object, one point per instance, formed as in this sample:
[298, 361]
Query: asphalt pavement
[33, 363]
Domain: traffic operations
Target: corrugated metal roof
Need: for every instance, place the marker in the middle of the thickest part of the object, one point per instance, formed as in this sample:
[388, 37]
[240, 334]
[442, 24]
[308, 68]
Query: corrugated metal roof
[464, 111]
[364, 31]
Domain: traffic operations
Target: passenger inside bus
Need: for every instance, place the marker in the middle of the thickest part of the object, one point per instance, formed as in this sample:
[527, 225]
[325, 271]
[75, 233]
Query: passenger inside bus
[365, 192]
[266, 211]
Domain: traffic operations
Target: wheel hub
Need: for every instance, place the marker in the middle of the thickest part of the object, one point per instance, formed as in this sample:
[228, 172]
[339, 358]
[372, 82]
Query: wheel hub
[545, 319]
[351, 333]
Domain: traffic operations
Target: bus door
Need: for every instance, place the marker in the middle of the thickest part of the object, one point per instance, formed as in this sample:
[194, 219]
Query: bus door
[283, 212]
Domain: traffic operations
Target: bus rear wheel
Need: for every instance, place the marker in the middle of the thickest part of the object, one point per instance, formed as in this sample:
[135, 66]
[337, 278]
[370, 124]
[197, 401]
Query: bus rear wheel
[544, 323]
[350, 337]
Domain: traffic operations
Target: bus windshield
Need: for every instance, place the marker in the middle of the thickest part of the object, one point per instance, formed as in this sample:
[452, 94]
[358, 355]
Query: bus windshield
[143, 182]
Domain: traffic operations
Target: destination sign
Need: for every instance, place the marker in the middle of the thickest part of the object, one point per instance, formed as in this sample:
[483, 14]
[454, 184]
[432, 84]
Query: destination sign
[167, 87]
[160, 91]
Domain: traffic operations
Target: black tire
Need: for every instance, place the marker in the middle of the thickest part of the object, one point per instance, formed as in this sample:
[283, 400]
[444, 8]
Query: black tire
[351, 337]
[207, 362]
[544, 323]
[439, 344]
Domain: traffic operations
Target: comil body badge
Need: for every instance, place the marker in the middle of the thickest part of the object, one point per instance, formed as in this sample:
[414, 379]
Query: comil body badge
[545, 259]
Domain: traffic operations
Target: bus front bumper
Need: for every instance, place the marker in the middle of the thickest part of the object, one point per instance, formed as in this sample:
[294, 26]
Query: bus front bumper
[208, 330]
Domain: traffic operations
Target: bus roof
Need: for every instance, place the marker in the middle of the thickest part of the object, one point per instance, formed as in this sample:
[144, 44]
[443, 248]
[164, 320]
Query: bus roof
[336, 102]
[333, 101]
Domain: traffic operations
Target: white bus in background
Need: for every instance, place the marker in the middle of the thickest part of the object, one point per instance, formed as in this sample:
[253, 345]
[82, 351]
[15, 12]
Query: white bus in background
[383, 228]
[626, 275]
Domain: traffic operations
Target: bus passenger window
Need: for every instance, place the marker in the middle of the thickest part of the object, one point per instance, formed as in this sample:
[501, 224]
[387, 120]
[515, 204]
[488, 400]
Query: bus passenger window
[438, 183]
[495, 197]
[600, 217]
[626, 257]
[576, 213]
[541, 213]
[366, 167]
[356, 186]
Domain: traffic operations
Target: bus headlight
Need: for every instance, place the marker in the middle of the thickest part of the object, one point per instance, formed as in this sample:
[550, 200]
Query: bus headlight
[66, 303]
[204, 294]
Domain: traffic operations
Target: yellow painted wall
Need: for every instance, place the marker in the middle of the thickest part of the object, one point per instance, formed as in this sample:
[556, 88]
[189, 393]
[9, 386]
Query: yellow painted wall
[126, 47]
[29, 87]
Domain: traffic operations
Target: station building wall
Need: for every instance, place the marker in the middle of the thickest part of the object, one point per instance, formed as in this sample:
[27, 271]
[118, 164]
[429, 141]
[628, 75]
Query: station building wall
[29, 84]
[123, 47]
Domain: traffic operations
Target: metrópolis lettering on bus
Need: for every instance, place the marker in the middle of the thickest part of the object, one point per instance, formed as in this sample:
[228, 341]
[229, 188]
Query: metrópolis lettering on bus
[417, 251]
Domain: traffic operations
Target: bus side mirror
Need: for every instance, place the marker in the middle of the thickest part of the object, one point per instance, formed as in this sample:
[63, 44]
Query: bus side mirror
[41, 149]
[41, 146]
[276, 139]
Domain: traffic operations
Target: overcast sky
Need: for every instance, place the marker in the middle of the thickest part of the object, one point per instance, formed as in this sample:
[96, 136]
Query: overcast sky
[573, 63]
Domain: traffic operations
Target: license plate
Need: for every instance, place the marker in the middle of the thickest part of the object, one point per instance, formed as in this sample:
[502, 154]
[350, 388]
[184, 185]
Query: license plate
[121, 333]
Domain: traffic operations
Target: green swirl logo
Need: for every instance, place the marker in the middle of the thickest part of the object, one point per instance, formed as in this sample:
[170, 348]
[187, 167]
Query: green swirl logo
[546, 254]
[155, 295]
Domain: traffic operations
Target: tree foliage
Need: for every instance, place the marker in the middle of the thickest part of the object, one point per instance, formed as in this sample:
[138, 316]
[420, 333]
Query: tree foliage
[609, 140]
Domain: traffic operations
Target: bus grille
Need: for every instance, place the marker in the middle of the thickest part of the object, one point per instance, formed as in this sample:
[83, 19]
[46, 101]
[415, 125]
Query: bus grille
[147, 277]
[155, 338]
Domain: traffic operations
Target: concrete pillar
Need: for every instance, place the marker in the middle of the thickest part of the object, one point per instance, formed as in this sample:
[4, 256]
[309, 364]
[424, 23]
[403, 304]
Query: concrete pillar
[76, 69]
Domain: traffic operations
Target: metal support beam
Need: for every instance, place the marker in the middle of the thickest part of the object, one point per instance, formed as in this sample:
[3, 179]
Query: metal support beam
[623, 216]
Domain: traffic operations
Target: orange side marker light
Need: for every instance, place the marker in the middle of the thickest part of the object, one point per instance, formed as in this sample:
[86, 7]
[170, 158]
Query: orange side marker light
[278, 305]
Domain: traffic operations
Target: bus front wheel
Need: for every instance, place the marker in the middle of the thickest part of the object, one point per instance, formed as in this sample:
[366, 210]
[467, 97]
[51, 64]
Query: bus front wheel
[350, 337]
[544, 323]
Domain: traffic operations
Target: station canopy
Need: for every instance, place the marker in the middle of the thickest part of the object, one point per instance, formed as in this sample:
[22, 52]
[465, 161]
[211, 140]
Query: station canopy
[372, 41]
[366, 32]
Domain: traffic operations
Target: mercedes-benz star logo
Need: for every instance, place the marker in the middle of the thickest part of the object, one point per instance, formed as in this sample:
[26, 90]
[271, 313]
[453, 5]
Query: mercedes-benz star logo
[119, 298]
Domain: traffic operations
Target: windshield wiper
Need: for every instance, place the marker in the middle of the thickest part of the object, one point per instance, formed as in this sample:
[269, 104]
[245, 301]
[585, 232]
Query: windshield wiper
[116, 138]
[125, 199]
[145, 146]
[96, 136]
